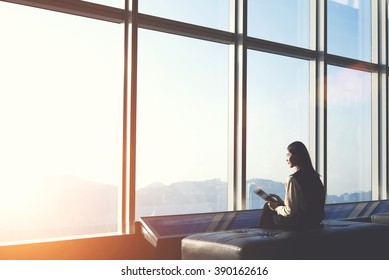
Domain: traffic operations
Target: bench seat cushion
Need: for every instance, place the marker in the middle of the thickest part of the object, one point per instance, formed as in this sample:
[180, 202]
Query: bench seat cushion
[333, 240]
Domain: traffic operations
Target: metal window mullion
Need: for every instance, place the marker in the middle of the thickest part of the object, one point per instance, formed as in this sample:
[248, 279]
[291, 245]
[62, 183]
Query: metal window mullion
[237, 158]
[280, 49]
[321, 90]
[78, 8]
[242, 109]
[351, 63]
[231, 111]
[184, 29]
[133, 114]
[375, 103]
[312, 81]
[381, 190]
[379, 101]
[124, 193]
[384, 103]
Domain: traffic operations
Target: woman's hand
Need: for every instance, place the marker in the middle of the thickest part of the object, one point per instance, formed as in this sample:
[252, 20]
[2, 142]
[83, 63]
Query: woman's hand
[272, 205]
[279, 199]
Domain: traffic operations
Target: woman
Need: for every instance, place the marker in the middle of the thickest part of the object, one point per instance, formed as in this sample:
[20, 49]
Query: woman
[305, 195]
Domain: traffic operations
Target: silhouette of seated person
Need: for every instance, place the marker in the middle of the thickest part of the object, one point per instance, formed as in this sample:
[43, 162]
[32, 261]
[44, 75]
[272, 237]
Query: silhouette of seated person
[303, 206]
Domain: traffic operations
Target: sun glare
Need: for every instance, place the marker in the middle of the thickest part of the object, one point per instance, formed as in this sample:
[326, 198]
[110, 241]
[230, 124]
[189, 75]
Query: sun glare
[60, 119]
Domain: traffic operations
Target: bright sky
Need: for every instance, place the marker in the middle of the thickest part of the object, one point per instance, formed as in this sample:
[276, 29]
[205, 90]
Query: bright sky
[183, 96]
[60, 104]
[182, 109]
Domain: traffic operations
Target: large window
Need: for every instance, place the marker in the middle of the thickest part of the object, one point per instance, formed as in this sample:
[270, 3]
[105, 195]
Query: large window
[350, 28]
[273, 120]
[113, 3]
[349, 134]
[214, 110]
[214, 14]
[61, 124]
[282, 21]
[181, 125]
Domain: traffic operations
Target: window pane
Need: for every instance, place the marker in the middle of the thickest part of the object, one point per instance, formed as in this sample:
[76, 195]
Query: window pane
[349, 135]
[214, 13]
[61, 124]
[181, 125]
[349, 29]
[112, 3]
[283, 21]
[277, 115]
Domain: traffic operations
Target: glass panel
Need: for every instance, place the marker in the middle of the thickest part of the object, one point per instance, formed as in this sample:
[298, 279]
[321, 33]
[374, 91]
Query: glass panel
[181, 125]
[61, 124]
[112, 3]
[283, 21]
[349, 29]
[348, 135]
[214, 13]
[277, 114]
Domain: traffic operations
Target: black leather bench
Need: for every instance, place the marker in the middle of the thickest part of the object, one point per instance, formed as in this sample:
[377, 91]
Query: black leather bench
[333, 240]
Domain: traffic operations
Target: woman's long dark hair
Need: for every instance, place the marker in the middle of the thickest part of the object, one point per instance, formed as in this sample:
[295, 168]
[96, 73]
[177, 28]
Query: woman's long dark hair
[301, 156]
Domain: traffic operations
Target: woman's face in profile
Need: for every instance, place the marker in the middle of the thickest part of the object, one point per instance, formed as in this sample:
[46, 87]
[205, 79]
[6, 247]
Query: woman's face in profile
[290, 159]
